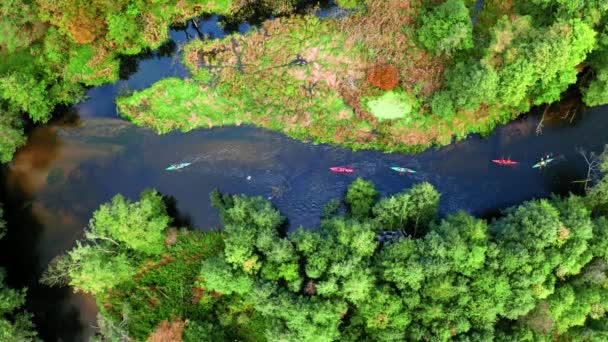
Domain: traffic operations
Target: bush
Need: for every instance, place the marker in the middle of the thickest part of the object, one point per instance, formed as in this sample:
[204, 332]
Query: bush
[360, 197]
[446, 28]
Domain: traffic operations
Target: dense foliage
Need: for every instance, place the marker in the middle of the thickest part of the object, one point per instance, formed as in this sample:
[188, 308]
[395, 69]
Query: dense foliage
[15, 324]
[538, 272]
[447, 28]
[50, 50]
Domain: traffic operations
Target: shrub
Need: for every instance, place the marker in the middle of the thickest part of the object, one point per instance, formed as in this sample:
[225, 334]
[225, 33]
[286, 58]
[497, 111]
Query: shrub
[446, 28]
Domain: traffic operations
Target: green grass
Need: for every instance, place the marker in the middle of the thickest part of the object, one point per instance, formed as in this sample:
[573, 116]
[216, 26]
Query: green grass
[176, 104]
[390, 105]
[349, 3]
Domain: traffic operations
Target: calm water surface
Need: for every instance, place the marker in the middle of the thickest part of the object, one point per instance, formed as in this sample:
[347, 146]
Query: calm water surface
[70, 167]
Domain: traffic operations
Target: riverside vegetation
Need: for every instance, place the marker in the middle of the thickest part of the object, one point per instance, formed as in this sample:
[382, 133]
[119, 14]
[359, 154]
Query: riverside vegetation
[538, 272]
[51, 50]
[15, 324]
[395, 75]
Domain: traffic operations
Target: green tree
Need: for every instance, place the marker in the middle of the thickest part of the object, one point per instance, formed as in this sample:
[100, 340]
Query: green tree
[597, 91]
[467, 86]
[203, 331]
[14, 325]
[119, 234]
[24, 93]
[413, 210]
[93, 269]
[581, 298]
[217, 275]
[16, 16]
[11, 135]
[360, 197]
[525, 238]
[140, 225]
[446, 28]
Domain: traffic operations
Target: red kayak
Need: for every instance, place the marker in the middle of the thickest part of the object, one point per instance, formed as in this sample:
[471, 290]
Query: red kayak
[341, 169]
[505, 162]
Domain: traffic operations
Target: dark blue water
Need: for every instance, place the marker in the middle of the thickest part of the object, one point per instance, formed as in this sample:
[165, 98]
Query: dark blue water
[73, 165]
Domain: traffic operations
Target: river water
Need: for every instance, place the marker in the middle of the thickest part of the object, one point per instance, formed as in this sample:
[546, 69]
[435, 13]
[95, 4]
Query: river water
[79, 161]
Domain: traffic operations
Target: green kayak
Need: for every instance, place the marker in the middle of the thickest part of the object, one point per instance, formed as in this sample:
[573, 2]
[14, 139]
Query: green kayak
[402, 169]
[542, 163]
[177, 166]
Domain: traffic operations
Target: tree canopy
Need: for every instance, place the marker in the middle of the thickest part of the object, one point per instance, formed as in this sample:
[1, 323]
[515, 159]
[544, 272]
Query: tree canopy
[536, 272]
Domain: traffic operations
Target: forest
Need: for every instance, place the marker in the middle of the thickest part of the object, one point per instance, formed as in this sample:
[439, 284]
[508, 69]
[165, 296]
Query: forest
[378, 269]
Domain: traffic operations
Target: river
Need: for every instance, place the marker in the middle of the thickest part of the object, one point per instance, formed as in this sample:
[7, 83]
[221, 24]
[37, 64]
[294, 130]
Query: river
[88, 154]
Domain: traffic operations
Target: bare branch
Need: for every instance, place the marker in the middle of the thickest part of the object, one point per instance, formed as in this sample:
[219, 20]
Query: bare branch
[539, 127]
[593, 162]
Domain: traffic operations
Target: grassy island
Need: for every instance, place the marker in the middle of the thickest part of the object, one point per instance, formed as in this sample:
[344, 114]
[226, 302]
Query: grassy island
[394, 75]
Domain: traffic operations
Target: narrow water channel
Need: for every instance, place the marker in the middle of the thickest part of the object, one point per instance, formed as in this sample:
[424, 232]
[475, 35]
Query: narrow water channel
[71, 166]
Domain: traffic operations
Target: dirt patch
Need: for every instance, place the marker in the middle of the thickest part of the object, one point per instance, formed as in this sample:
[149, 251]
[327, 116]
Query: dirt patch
[171, 237]
[168, 332]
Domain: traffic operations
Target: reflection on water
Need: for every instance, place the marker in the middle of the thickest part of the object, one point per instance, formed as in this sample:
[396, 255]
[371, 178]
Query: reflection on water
[32, 163]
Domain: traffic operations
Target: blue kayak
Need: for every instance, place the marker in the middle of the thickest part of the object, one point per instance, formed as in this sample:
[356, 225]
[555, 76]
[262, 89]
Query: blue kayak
[177, 166]
[402, 169]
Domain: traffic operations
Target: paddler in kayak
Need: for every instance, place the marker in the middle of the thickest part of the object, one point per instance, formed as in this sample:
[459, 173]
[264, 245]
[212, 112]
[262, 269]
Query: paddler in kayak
[544, 161]
[177, 166]
[402, 170]
[503, 161]
[341, 169]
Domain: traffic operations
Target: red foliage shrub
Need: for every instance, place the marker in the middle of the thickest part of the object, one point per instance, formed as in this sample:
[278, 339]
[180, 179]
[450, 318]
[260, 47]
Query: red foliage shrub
[385, 77]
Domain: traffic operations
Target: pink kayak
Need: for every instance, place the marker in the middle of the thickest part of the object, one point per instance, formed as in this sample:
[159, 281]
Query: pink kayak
[505, 161]
[341, 169]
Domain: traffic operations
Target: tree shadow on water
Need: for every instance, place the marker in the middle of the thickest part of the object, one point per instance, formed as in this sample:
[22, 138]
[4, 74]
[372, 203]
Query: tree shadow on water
[179, 219]
[129, 64]
[55, 317]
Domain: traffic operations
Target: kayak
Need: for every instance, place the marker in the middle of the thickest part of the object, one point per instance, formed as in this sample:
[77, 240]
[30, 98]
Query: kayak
[402, 169]
[504, 162]
[542, 163]
[341, 169]
[177, 166]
